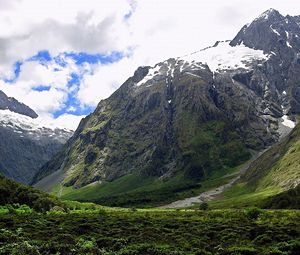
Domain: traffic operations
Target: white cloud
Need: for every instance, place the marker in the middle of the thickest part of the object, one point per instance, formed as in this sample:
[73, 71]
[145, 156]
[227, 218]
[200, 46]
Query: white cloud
[45, 101]
[89, 26]
[164, 27]
[71, 109]
[40, 101]
[103, 81]
[33, 75]
[36, 75]
[68, 121]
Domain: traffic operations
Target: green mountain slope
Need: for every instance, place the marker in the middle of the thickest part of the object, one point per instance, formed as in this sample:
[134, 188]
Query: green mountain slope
[275, 171]
[279, 166]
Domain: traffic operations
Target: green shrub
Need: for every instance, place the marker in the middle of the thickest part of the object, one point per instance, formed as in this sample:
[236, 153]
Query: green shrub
[14, 193]
[11, 209]
[57, 209]
[102, 212]
[242, 251]
[289, 199]
[20, 248]
[3, 210]
[252, 213]
[24, 209]
[203, 206]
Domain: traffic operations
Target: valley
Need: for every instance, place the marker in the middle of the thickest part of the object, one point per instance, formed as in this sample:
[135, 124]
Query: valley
[197, 154]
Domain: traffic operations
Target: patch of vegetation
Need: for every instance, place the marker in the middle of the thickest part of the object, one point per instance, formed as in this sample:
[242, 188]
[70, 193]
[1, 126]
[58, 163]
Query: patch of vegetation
[152, 232]
[277, 167]
[96, 127]
[241, 196]
[289, 199]
[14, 193]
[15, 208]
[215, 147]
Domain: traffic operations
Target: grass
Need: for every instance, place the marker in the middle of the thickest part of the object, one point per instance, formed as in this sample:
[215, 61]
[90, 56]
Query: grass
[95, 128]
[127, 190]
[285, 171]
[60, 190]
[277, 167]
[241, 200]
[151, 232]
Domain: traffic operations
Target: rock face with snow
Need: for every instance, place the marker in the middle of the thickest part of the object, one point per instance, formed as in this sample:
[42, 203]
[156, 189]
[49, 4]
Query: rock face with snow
[13, 105]
[279, 36]
[192, 114]
[25, 143]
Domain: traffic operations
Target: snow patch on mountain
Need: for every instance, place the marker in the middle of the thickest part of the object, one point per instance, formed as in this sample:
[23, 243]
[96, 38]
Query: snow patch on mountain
[219, 57]
[226, 57]
[195, 75]
[275, 31]
[287, 122]
[152, 73]
[289, 45]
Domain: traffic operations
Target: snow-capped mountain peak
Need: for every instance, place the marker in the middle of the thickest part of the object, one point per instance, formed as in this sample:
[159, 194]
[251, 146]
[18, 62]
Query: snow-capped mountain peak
[218, 58]
[35, 128]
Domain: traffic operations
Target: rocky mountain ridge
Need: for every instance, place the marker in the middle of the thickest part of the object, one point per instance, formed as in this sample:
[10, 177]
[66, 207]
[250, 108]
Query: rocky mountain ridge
[10, 103]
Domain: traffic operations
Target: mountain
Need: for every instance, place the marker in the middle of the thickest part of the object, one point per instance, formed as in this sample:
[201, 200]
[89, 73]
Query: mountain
[25, 143]
[187, 118]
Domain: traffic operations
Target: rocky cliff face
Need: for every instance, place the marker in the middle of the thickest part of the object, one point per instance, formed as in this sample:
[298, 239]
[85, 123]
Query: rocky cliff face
[25, 144]
[193, 114]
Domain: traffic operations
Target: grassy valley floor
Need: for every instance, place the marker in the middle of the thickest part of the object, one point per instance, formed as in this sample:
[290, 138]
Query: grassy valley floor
[151, 232]
[140, 191]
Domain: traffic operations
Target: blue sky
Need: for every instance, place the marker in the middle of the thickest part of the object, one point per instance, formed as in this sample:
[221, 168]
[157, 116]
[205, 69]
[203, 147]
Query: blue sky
[62, 57]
